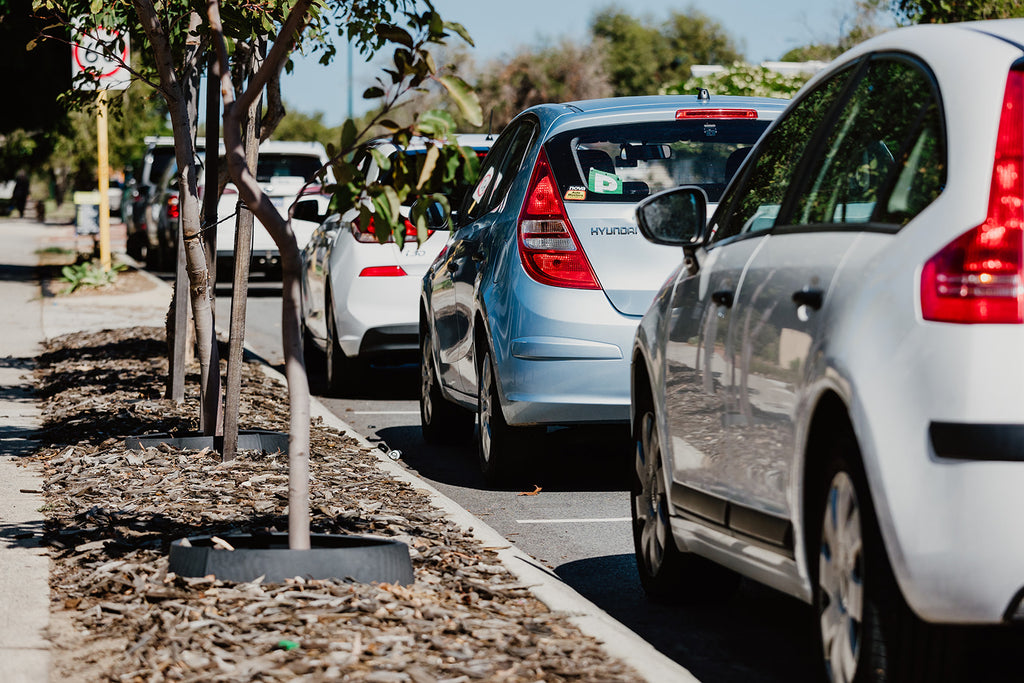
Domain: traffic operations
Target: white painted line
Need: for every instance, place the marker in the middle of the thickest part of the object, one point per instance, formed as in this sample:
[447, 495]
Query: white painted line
[385, 412]
[573, 521]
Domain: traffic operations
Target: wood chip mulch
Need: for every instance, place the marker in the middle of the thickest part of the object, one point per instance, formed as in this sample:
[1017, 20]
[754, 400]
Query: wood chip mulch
[118, 615]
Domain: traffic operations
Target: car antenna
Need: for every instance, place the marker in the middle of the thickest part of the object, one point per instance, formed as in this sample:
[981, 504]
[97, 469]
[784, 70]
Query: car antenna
[703, 95]
[490, 122]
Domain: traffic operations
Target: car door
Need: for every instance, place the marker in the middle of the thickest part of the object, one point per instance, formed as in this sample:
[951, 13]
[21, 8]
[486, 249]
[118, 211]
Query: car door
[315, 257]
[454, 280]
[703, 340]
[841, 198]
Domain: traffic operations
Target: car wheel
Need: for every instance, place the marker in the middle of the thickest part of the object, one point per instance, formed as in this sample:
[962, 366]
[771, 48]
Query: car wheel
[341, 369]
[498, 444]
[135, 246]
[440, 420]
[666, 573]
[866, 631]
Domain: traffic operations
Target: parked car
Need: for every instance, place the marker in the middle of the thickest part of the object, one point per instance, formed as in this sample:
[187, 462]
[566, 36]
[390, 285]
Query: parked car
[359, 297]
[283, 169]
[141, 191]
[528, 314]
[826, 393]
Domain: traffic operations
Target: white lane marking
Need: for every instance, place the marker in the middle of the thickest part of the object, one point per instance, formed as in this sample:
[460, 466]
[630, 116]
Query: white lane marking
[573, 521]
[385, 412]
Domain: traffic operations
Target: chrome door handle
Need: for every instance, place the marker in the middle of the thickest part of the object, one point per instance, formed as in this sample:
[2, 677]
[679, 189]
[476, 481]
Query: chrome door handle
[723, 297]
[811, 298]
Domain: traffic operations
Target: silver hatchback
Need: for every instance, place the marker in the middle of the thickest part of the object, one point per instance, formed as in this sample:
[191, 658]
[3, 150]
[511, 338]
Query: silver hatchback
[528, 313]
[828, 392]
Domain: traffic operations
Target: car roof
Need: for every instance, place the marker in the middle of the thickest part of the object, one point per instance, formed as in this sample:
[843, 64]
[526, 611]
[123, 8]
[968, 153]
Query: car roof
[618, 110]
[419, 143]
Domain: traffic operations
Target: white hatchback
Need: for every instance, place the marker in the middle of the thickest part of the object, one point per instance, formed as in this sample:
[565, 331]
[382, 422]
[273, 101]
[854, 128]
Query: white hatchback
[828, 393]
[359, 296]
[283, 169]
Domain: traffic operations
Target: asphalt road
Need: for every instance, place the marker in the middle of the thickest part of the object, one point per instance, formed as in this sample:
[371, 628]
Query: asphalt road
[577, 524]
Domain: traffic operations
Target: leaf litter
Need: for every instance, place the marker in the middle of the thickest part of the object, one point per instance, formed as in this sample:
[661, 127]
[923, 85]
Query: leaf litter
[117, 614]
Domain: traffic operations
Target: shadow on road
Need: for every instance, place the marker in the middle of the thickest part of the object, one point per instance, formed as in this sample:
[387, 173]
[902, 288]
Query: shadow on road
[756, 635]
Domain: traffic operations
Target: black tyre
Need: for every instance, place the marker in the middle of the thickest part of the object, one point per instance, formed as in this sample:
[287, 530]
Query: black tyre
[440, 420]
[136, 246]
[866, 631]
[666, 573]
[499, 446]
[313, 358]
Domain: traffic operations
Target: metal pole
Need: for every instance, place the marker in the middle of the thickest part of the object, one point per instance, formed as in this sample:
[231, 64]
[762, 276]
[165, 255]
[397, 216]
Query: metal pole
[103, 174]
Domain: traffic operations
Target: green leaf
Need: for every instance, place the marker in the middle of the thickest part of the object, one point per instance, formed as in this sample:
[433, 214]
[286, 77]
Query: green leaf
[394, 34]
[348, 135]
[460, 30]
[435, 123]
[429, 162]
[373, 93]
[389, 124]
[95, 6]
[382, 160]
[465, 98]
[436, 24]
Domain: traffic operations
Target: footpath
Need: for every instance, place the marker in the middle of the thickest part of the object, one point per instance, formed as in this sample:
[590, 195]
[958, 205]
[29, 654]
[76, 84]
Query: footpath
[29, 319]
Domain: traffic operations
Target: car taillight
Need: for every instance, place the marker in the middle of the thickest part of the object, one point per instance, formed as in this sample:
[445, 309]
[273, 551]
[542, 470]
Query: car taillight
[382, 271]
[172, 207]
[683, 114]
[548, 248]
[370, 237]
[977, 277]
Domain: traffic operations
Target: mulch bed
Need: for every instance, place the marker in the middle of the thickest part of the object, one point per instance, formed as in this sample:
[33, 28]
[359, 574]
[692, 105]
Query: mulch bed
[119, 615]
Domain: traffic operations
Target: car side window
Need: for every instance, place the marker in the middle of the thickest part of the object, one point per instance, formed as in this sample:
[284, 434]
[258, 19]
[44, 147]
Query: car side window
[474, 204]
[753, 203]
[883, 161]
[512, 162]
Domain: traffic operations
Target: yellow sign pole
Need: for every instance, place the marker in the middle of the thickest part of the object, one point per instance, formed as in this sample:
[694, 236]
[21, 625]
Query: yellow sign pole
[103, 173]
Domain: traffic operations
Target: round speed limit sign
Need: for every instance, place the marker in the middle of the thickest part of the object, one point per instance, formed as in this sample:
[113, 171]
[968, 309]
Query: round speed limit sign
[97, 63]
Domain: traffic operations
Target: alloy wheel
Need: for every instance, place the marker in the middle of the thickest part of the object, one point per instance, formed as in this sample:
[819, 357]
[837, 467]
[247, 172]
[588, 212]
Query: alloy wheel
[650, 505]
[487, 408]
[841, 579]
[426, 380]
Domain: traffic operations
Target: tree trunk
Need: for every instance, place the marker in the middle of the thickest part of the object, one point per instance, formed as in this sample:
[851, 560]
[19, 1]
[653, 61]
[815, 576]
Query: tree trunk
[281, 231]
[188, 203]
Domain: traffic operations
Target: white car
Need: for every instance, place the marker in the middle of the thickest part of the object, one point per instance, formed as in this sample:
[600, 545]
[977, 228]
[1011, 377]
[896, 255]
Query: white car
[828, 393]
[359, 297]
[282, 170]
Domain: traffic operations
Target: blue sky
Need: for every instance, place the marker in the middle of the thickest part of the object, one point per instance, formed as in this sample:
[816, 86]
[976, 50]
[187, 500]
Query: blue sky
[764, 31]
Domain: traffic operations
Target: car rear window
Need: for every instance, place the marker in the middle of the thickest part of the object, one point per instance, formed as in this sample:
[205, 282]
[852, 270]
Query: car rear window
[274, 165]
[625, 163]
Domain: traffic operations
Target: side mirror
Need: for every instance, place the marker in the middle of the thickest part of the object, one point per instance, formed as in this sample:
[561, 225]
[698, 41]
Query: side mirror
[431, 211]
[675, 217]
[308, 210]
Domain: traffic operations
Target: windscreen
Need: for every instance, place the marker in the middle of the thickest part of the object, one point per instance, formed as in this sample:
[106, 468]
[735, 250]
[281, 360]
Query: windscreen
[625, 163]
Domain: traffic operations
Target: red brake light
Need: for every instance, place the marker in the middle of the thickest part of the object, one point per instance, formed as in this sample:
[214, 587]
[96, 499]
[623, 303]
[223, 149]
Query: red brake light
[382, 271]
[716, 114]
[172, 207]
[370, 236]
[977, 277]
[548, 248]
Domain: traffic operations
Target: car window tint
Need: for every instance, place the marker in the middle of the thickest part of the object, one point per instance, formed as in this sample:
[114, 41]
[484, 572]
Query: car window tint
[475, 203]
[511, 164]
[890, 124]
[753, 204]
[627, 162]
